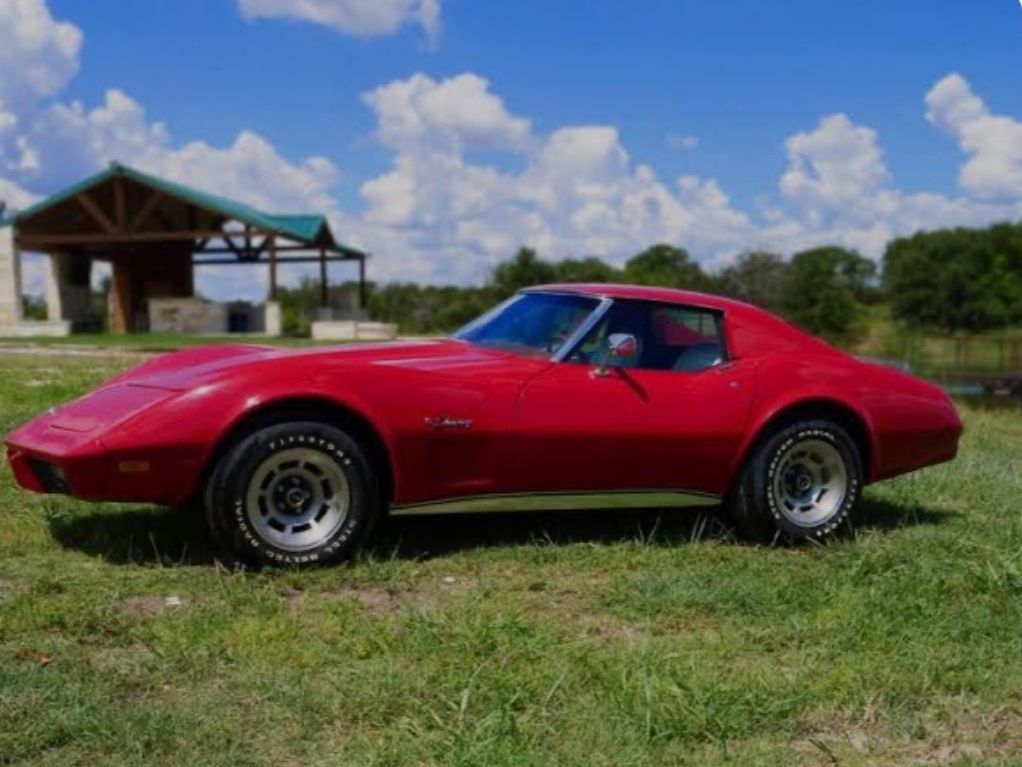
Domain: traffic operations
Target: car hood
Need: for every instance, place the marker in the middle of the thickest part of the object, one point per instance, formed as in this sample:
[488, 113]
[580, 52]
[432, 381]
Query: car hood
[186, 369]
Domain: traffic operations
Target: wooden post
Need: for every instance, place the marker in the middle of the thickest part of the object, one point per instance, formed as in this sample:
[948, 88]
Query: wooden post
[362, 283]
[273, 267]
[122, 297]
[324, 293]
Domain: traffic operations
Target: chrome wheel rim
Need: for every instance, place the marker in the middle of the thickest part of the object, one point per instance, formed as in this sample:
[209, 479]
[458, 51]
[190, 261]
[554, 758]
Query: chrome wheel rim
[810, 483]
[298, 499]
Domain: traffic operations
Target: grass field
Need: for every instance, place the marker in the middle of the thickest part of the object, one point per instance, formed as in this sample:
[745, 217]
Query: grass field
[566, 639]
[149, 341]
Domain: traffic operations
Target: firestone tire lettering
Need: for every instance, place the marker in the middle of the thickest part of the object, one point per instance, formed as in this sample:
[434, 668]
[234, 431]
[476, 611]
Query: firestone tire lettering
[226, 494]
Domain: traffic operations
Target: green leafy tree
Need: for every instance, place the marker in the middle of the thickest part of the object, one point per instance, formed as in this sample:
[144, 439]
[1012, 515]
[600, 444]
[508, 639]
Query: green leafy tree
[954, 280]
[589, 269]
[758, 278]
[33, 307]
[668, 266]
[824, 290]
[522, 271]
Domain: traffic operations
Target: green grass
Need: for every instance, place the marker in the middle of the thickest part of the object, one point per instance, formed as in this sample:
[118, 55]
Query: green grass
[565, 639]
[151, 341]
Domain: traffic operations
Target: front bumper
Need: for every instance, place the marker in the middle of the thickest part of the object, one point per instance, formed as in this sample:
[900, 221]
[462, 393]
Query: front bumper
[37, 475]
[91, 449]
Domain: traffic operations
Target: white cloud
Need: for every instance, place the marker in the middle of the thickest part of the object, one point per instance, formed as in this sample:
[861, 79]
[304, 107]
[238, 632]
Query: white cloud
[837, 189]
[364, 18]
[69, 141]
[470, 180]
[448, 116]
[14, 196]
[682, 142]
[38, 55]
[993, 142]
[441, 214]
[250, 170]
[836, 164]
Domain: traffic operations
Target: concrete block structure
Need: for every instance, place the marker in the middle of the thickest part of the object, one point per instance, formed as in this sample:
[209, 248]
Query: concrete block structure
[353, 330]
[12, 322]
[10, 280]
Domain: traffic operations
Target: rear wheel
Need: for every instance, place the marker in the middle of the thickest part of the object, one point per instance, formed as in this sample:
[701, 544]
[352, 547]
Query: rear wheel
[801, 482]
[294, 493]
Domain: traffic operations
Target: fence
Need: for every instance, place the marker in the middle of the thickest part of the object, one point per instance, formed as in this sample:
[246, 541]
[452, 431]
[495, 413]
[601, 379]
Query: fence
[952, 355]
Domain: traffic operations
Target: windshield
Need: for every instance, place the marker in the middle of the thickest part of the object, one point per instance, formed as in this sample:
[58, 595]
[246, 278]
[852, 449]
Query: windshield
[536, 324]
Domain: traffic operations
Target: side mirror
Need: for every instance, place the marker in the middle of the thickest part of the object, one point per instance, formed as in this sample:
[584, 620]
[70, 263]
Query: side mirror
[622, 345]
[619, 345]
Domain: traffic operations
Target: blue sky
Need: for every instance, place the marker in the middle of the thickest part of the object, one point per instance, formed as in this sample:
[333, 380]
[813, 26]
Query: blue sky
[740, 75]
[710, 91]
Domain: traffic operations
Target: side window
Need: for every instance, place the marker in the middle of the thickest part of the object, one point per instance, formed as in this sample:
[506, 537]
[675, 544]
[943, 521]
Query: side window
[667, 337]
[686, 339]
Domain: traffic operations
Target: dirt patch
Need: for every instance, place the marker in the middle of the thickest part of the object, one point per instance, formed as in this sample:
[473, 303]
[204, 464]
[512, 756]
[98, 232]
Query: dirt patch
[151, 605]
[121, 659]
[373, 599]
[9, 589]
[969, 736]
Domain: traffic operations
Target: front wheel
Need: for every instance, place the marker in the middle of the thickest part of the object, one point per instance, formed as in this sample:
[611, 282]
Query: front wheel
[801, 482]
[295, 493]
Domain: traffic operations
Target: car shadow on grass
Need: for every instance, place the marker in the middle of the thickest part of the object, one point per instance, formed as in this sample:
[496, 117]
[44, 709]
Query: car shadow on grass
[176, 537]
[150, 535]
[431, 536]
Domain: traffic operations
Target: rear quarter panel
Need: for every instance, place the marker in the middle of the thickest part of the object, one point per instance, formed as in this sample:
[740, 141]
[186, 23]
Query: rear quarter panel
[909, 423]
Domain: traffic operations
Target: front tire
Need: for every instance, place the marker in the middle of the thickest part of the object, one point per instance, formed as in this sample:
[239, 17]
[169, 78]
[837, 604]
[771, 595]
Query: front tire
[800, 483]
[298, 493]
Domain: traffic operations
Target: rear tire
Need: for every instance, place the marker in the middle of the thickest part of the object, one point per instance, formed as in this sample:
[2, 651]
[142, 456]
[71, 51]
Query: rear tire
[801, 482]
[297, 493]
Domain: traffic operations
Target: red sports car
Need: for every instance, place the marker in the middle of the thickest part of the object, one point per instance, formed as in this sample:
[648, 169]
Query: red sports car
[564, 396]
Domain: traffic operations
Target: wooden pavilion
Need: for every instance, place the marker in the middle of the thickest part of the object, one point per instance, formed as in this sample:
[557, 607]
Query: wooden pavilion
[154, 232]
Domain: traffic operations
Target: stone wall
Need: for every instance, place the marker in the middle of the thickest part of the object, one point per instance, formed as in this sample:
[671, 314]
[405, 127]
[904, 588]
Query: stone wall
[351, 330]
[10, 279]
[187, 316]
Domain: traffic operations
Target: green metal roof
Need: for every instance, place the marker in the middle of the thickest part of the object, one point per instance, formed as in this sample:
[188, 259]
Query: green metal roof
[309, 229]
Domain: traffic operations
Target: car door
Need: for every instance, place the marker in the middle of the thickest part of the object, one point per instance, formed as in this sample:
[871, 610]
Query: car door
[669, 417]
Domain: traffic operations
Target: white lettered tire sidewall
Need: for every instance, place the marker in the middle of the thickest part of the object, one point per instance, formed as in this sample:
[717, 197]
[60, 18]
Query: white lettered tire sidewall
[228, 493]
[779, 445]
[753, 505]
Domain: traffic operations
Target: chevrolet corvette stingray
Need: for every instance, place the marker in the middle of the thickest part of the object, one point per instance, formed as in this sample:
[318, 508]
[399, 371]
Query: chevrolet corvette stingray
[563, 396]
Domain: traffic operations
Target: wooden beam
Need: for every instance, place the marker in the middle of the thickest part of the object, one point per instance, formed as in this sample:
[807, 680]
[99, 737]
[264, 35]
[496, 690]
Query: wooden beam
[284, 260]
[324, 292]
[120, 205]
[273, 268]
[335, 255]
[231, 247]
[155, 198]
[96, 212]
[362, 297]
[127, 238]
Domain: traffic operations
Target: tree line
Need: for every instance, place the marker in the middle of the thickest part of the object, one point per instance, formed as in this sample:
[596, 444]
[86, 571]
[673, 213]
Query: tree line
[942, 281]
